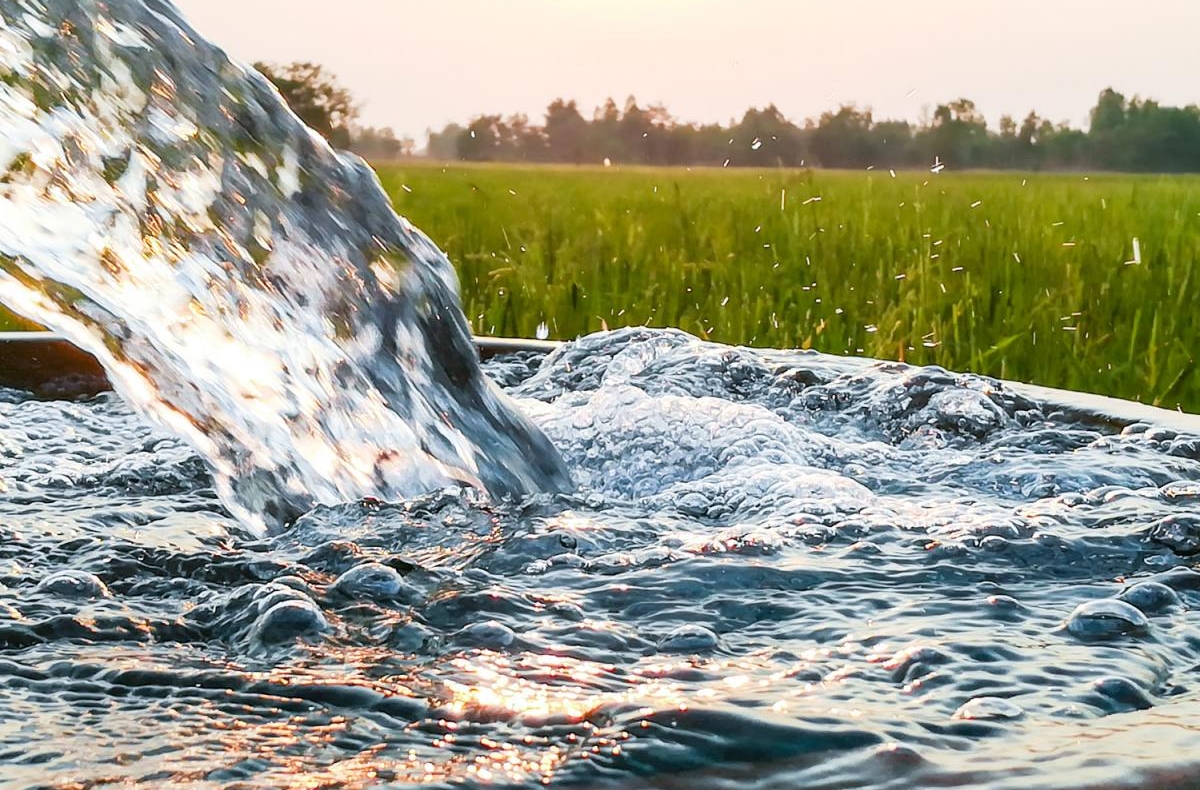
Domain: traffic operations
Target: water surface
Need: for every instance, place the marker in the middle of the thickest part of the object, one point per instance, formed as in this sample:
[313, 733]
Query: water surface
[311, 544]
[779, 570]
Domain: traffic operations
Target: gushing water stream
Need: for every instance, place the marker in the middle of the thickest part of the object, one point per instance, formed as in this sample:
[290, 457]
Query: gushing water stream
[246, 286]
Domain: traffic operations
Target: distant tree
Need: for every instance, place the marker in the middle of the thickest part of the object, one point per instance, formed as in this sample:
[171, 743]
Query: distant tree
[958, 134]
[766, 138]
[1062, 146]
[316, 97]
[606, 132]
[379, 143]
[443, 145]
[1029, 154]
[1029, 128]
[843, 138]
[523, 141]
[566, 132]
[1109, 130]
[483, 139]
[1005, 148]
[895, 145]
[1109, 112]
[635, 128]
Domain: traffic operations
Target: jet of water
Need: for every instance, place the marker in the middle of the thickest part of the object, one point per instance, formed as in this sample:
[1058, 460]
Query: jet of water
[244, 284]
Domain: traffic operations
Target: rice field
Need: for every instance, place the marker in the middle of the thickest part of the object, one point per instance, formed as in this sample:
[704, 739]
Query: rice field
[1077, 281]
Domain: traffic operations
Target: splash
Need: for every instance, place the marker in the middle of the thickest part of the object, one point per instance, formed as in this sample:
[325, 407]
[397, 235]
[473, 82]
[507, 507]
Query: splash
[245, 285]
[780, 569]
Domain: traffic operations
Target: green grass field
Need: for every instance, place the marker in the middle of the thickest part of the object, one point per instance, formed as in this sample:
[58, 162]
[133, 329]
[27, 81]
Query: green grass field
[1023, 276]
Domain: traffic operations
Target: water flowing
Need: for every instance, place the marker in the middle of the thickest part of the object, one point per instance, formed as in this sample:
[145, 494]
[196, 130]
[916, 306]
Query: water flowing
[779, 570]
[638, 561]
[245, 285]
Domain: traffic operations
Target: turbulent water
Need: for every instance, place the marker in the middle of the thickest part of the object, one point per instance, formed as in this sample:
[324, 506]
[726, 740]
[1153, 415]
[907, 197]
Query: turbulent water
[244, 285]
[779, 570]
[771, 570]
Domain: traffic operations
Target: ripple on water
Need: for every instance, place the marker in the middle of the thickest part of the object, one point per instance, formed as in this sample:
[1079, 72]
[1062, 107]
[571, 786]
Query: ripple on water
[816, 587]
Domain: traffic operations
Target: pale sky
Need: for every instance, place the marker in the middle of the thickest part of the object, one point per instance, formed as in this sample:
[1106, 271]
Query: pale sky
[414, 65]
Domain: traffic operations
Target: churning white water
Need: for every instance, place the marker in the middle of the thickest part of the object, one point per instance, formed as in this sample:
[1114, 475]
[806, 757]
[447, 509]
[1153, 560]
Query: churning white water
[638, 561]
[246, 286]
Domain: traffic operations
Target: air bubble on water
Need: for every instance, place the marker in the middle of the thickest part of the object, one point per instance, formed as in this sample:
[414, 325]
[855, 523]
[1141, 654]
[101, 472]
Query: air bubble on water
[1151, 597]
[74, 584]
[487, 635]
[373, 581]
[288, 619]
[689, 638]
[1106, 617]
[542, 332]
[983, 708]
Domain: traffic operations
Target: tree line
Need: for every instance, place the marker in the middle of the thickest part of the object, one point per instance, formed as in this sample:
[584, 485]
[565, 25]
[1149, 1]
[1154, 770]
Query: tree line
[1125, 134]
